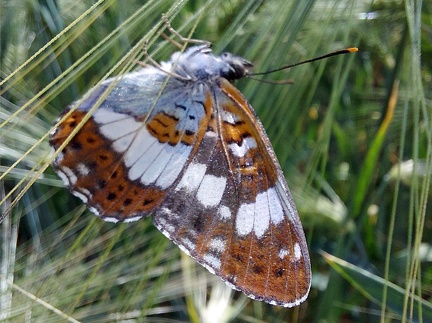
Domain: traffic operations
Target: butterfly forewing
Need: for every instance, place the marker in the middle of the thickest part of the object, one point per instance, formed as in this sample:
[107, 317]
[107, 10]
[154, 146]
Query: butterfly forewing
[278, 263]
[238, 221]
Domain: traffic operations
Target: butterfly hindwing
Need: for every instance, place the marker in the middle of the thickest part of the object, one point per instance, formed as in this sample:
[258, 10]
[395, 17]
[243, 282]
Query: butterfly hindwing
[99, 179]
[123, 160]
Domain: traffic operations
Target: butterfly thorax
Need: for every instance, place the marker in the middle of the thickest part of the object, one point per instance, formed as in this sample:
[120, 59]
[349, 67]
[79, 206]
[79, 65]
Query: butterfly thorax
[200, 64]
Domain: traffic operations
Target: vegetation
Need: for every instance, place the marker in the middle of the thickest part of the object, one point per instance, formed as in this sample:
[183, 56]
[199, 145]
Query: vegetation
[353, 135]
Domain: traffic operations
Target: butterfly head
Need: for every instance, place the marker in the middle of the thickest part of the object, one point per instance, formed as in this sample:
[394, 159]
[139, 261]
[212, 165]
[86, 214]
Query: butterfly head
[239, 67]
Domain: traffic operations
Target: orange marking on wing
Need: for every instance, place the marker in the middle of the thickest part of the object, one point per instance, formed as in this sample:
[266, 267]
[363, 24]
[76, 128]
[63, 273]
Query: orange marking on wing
[65, 129]
[111, 191]
[164, 127]
[205, 122]
[237, 132]
[287, 278]
[256, 160]
[124, 198]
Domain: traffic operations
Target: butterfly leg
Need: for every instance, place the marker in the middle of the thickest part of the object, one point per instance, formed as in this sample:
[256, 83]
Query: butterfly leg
[182, 39]
[157, 65]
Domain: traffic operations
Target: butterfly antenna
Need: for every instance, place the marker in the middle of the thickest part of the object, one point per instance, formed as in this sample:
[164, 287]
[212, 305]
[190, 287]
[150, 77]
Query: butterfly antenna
[270, 81]
[335, 53]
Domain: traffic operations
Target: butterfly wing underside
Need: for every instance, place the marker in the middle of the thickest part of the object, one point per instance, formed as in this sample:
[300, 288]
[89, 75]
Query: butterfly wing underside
[231, 209]
[124, 160]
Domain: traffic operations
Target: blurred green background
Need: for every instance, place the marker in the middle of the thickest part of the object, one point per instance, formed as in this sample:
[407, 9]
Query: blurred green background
[352, 133]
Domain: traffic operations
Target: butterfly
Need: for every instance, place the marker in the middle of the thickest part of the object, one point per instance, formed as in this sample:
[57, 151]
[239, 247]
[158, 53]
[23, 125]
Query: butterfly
[180, 142]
